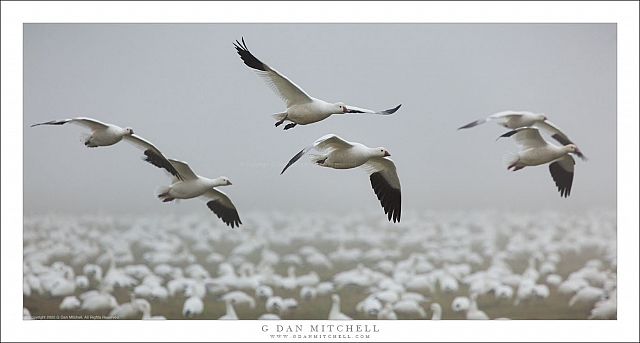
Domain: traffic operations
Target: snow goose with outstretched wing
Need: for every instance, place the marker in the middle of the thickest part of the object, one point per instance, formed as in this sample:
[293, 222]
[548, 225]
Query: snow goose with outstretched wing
[340, 154]
[534, 150]
[191, 185]
[518, 119]
[103, 134]
[301, 107]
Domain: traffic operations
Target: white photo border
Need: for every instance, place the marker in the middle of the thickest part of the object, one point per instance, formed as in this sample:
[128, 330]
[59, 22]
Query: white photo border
[15, 14]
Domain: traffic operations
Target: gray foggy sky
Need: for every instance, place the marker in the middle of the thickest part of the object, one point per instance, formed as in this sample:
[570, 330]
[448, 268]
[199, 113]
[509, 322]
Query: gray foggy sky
[184, 88]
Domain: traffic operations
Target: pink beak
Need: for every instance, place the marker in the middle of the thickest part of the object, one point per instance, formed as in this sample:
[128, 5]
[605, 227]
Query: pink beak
[386, 153]
[345, 109]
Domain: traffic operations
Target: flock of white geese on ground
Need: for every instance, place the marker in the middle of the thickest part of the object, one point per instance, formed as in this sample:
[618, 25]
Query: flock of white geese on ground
[334, 151]
[478, 265]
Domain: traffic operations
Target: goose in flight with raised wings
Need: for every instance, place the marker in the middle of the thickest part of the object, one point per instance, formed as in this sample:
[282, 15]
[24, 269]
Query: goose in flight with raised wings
[301, 107]
[534, 150]
[335, 152]
[103, 134]
[189, 185]
[518, 119]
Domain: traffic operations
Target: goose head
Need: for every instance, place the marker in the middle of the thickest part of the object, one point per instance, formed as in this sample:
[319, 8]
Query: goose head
[340, 107]
[380, 152]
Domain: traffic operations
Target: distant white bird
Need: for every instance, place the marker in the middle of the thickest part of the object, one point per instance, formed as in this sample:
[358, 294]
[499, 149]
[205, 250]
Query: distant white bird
[409, 307]
[606, 308]
[301, 108]
[128, 310]
[521, 119]
[98, 302]
[369, 306]
[554, 279]
[340, 154]
[325, 288]
[263, 292]
[473, 312]
[82, 281]
[239, 297]
[437, 311]
[193, 306]
[387, 313]
[587, 295]
[335, 313]
[103, 134]
[460, 304]
[189, 185]
[145, 308]
[70, 303]
[534, 150]
[231, 312]
[274, 304]
[308, 293]
[503, 292]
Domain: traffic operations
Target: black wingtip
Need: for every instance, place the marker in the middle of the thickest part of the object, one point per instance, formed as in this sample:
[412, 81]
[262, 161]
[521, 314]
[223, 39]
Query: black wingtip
[582, 156]
[52, 122]
[507, 134]
[562, 178]
[390, 198]
[293, 160]
[247, 57]
[392, 110]
[471, 124]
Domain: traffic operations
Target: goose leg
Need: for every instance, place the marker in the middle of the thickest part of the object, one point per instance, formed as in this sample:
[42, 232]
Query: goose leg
[280, 122]
[289, 126]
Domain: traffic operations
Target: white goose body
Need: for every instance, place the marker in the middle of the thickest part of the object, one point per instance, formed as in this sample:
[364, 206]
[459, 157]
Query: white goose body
[109, 135]
[186, 185]
[193, 188]
[537, 156]
[534, 150]
[351, 157]
[311, 112]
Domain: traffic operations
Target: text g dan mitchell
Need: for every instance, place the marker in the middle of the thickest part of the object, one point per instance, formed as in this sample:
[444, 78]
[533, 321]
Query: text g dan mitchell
[317, 328]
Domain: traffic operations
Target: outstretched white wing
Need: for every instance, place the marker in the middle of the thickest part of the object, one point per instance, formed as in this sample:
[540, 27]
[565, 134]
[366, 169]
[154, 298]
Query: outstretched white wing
[84, 121]
[291, 93]
[495, 116]
[325, 143]
[354, 109]
[183, 169]
[526, 138]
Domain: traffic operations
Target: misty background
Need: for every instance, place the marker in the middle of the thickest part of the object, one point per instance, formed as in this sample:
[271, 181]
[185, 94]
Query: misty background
[184, 88]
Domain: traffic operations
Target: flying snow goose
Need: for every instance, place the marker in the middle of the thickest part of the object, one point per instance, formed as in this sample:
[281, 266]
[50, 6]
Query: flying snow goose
[189, 185]
[108, 134]
[519, 119]
[339, 154]
[534, 150]
[301, 107]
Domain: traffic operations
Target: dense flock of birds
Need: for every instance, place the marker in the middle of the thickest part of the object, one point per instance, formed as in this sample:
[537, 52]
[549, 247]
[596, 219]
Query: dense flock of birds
[453, 265]
[333, 151]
